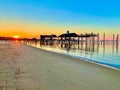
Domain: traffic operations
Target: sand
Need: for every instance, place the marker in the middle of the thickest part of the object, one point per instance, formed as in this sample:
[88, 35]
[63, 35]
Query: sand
[24, 67]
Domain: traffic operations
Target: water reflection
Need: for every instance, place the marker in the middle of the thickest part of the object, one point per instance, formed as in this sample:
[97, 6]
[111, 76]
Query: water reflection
[113, 47]
[103, 52]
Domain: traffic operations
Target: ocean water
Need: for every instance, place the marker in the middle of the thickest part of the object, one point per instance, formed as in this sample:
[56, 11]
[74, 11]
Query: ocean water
[108, 54]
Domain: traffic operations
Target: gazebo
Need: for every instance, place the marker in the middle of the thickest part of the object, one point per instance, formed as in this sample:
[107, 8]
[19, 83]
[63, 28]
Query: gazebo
[67, 38]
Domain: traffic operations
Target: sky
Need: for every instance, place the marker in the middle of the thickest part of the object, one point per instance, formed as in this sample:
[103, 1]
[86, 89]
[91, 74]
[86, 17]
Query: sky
[31, 18]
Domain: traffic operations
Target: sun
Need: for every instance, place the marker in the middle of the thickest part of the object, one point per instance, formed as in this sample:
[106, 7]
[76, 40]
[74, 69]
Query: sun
[16, 36]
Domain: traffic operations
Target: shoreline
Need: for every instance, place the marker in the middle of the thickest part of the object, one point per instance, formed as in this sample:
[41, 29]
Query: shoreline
[79, 58]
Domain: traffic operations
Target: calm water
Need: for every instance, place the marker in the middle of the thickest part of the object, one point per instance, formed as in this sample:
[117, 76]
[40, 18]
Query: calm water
[107, 54]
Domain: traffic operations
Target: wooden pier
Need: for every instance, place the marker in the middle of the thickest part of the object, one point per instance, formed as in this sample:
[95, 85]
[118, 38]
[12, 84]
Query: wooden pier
[67, 40]
[88, 41]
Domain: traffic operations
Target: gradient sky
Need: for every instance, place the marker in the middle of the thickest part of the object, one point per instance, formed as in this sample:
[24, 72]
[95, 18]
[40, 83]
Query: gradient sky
[30, 18]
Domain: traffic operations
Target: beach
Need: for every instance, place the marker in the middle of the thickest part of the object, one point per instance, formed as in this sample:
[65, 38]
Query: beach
[24, 67]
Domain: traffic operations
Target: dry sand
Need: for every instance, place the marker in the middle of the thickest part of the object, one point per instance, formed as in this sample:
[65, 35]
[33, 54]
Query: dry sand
[24, 67]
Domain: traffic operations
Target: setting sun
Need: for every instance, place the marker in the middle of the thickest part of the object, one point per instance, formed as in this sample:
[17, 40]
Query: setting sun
[16, 36]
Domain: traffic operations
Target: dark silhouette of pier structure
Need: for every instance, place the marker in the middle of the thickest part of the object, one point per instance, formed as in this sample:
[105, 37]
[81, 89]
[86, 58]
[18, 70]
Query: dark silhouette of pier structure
[89, 41]
[47, 39]
[67, 40]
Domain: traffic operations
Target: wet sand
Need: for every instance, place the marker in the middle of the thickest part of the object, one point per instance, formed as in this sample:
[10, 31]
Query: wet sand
[24, 67]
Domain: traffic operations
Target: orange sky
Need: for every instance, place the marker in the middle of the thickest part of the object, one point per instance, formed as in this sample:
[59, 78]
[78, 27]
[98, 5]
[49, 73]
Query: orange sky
[35, 29]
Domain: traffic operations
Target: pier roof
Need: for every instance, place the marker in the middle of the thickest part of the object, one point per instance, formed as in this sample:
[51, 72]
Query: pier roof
[52, 35]
[69, 35]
